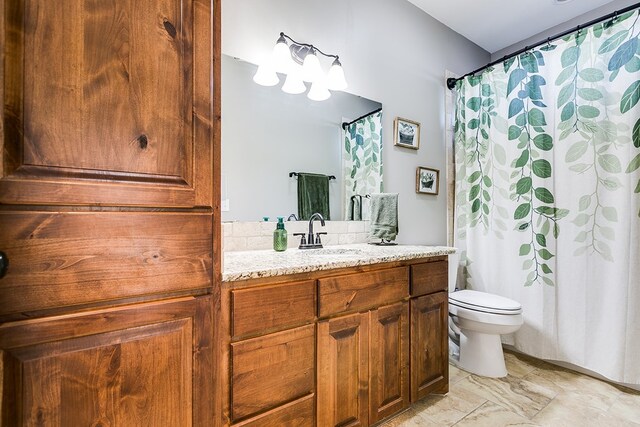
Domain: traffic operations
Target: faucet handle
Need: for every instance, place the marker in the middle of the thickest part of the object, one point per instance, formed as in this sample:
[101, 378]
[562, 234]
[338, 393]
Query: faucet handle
[318, 241]
[303, 241]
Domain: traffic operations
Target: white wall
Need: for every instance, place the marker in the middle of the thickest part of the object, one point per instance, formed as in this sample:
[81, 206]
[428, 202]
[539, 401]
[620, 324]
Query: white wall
[580, 20]
[392, 52]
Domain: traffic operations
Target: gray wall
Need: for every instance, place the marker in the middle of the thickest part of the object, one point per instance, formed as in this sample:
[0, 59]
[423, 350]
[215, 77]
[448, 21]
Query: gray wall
[582, 19]
[268, 133]
[392, 52]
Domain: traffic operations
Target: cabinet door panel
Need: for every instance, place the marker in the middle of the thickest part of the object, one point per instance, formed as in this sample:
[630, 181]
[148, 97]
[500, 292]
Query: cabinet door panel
[343, 371]
[126, 366]
[429, 345]
[104, 103]
[389, 360]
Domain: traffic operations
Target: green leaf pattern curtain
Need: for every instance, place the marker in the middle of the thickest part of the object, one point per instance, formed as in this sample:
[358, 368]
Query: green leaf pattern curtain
[362, 160]
[548, 194]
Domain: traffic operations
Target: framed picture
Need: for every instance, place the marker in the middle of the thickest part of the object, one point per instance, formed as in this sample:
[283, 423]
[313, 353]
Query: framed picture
[427, 180]
[406, 133]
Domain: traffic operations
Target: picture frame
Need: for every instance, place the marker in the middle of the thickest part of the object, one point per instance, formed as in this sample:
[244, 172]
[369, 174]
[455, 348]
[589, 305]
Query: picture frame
[406, 133]
[427, 181]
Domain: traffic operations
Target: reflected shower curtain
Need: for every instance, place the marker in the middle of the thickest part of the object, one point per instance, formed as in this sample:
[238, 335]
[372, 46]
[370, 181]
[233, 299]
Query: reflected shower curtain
[548, 195]
[362, 164]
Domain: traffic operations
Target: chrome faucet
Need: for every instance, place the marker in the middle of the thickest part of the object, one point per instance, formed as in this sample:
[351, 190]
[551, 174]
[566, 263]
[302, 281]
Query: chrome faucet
[312, 241]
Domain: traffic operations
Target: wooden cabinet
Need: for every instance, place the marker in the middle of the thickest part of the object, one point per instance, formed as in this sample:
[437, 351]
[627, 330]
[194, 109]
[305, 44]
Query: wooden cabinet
[133, 365]
[429, 345]
[271, 354]
[375, 346]
[108, 103]
[109, 216]
[363, 362]
[389, 361]
[343, 371]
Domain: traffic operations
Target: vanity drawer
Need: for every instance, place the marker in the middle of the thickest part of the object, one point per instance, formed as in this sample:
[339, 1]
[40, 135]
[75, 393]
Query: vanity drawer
[429, 277]
[271, 370]
[64, 259]
[360, 291]
[260, 310]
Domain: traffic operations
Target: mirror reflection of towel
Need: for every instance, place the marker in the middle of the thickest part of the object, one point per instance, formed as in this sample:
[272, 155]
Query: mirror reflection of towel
[313, 195]
[384, 216]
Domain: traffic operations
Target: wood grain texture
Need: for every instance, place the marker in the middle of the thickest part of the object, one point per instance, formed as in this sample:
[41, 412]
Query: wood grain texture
[299, 413]
[429, 345]
[66, 259]
[356, 292]
[127, 366]
[388, 361]
[271, 308]
[429, 277]
[108, 103]
[271, 370]
[343, 371]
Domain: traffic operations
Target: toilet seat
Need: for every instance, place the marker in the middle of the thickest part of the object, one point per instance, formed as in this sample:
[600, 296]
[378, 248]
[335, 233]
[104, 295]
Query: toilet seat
[484, 302]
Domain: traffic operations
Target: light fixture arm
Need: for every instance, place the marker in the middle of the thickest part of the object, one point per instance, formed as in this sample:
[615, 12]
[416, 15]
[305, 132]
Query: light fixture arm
[310, 46]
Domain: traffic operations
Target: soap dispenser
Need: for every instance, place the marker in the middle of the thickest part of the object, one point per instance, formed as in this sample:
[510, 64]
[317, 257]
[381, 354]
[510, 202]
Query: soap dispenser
[280, 236]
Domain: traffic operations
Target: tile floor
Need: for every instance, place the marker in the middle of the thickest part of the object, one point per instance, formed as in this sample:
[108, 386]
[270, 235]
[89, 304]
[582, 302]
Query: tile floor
[535, 393]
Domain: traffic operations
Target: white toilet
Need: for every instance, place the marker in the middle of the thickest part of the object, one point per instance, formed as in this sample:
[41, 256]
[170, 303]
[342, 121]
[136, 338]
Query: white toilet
[476, 321]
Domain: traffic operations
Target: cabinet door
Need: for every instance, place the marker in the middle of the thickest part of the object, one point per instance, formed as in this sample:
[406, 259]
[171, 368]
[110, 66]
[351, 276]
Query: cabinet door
[144, 365]
[429, 345]
[107, 102]
[389, 361]
[343, 371]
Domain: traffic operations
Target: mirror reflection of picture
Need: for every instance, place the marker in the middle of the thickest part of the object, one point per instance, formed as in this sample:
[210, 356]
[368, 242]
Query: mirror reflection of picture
[406, 133]
[427, 180]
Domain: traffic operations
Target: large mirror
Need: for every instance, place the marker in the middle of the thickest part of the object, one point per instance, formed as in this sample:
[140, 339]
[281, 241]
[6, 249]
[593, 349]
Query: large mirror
[267, 134]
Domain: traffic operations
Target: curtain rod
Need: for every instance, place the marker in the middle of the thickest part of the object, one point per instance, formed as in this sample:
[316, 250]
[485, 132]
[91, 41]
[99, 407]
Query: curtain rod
[451, 82]
[345, 124]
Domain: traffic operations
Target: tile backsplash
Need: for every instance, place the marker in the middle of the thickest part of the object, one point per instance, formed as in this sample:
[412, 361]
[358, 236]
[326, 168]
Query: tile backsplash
[243, 236]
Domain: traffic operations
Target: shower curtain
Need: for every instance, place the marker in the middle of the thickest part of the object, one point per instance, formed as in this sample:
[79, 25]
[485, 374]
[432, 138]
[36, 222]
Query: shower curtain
[362, 163]
[547, 152]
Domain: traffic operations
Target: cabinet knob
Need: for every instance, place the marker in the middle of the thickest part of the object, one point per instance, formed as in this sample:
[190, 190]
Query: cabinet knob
[4, 264]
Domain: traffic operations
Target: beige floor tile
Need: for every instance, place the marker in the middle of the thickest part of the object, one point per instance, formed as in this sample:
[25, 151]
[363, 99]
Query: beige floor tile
[518, 365]
[456, 374]
[493, 415]
[515, 394]
[568, 410]
[451, 408]
[409, 418]
[595, 393]
[627, 406]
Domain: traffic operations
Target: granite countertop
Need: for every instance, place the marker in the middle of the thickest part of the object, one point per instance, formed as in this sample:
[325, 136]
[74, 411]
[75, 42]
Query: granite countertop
[242, 265]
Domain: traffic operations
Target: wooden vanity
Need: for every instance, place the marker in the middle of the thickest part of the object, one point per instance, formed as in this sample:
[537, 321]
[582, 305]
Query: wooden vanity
[346, 346]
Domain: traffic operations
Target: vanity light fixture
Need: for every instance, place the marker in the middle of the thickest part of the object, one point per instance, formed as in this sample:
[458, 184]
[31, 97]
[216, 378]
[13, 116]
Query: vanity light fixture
[300, 63]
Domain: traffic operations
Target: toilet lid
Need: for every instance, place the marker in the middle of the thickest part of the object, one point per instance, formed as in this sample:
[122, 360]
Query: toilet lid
[482, 301]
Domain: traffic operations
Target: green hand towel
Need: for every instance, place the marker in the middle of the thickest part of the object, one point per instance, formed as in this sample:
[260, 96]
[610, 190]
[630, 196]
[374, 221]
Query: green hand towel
[313, 195]
[384, 216]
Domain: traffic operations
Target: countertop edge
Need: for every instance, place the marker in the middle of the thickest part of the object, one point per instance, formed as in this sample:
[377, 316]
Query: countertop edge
[396, 253]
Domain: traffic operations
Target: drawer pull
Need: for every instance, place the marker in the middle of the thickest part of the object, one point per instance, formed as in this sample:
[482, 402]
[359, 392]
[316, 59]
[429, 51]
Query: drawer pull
[351, 299]
[4, 264]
